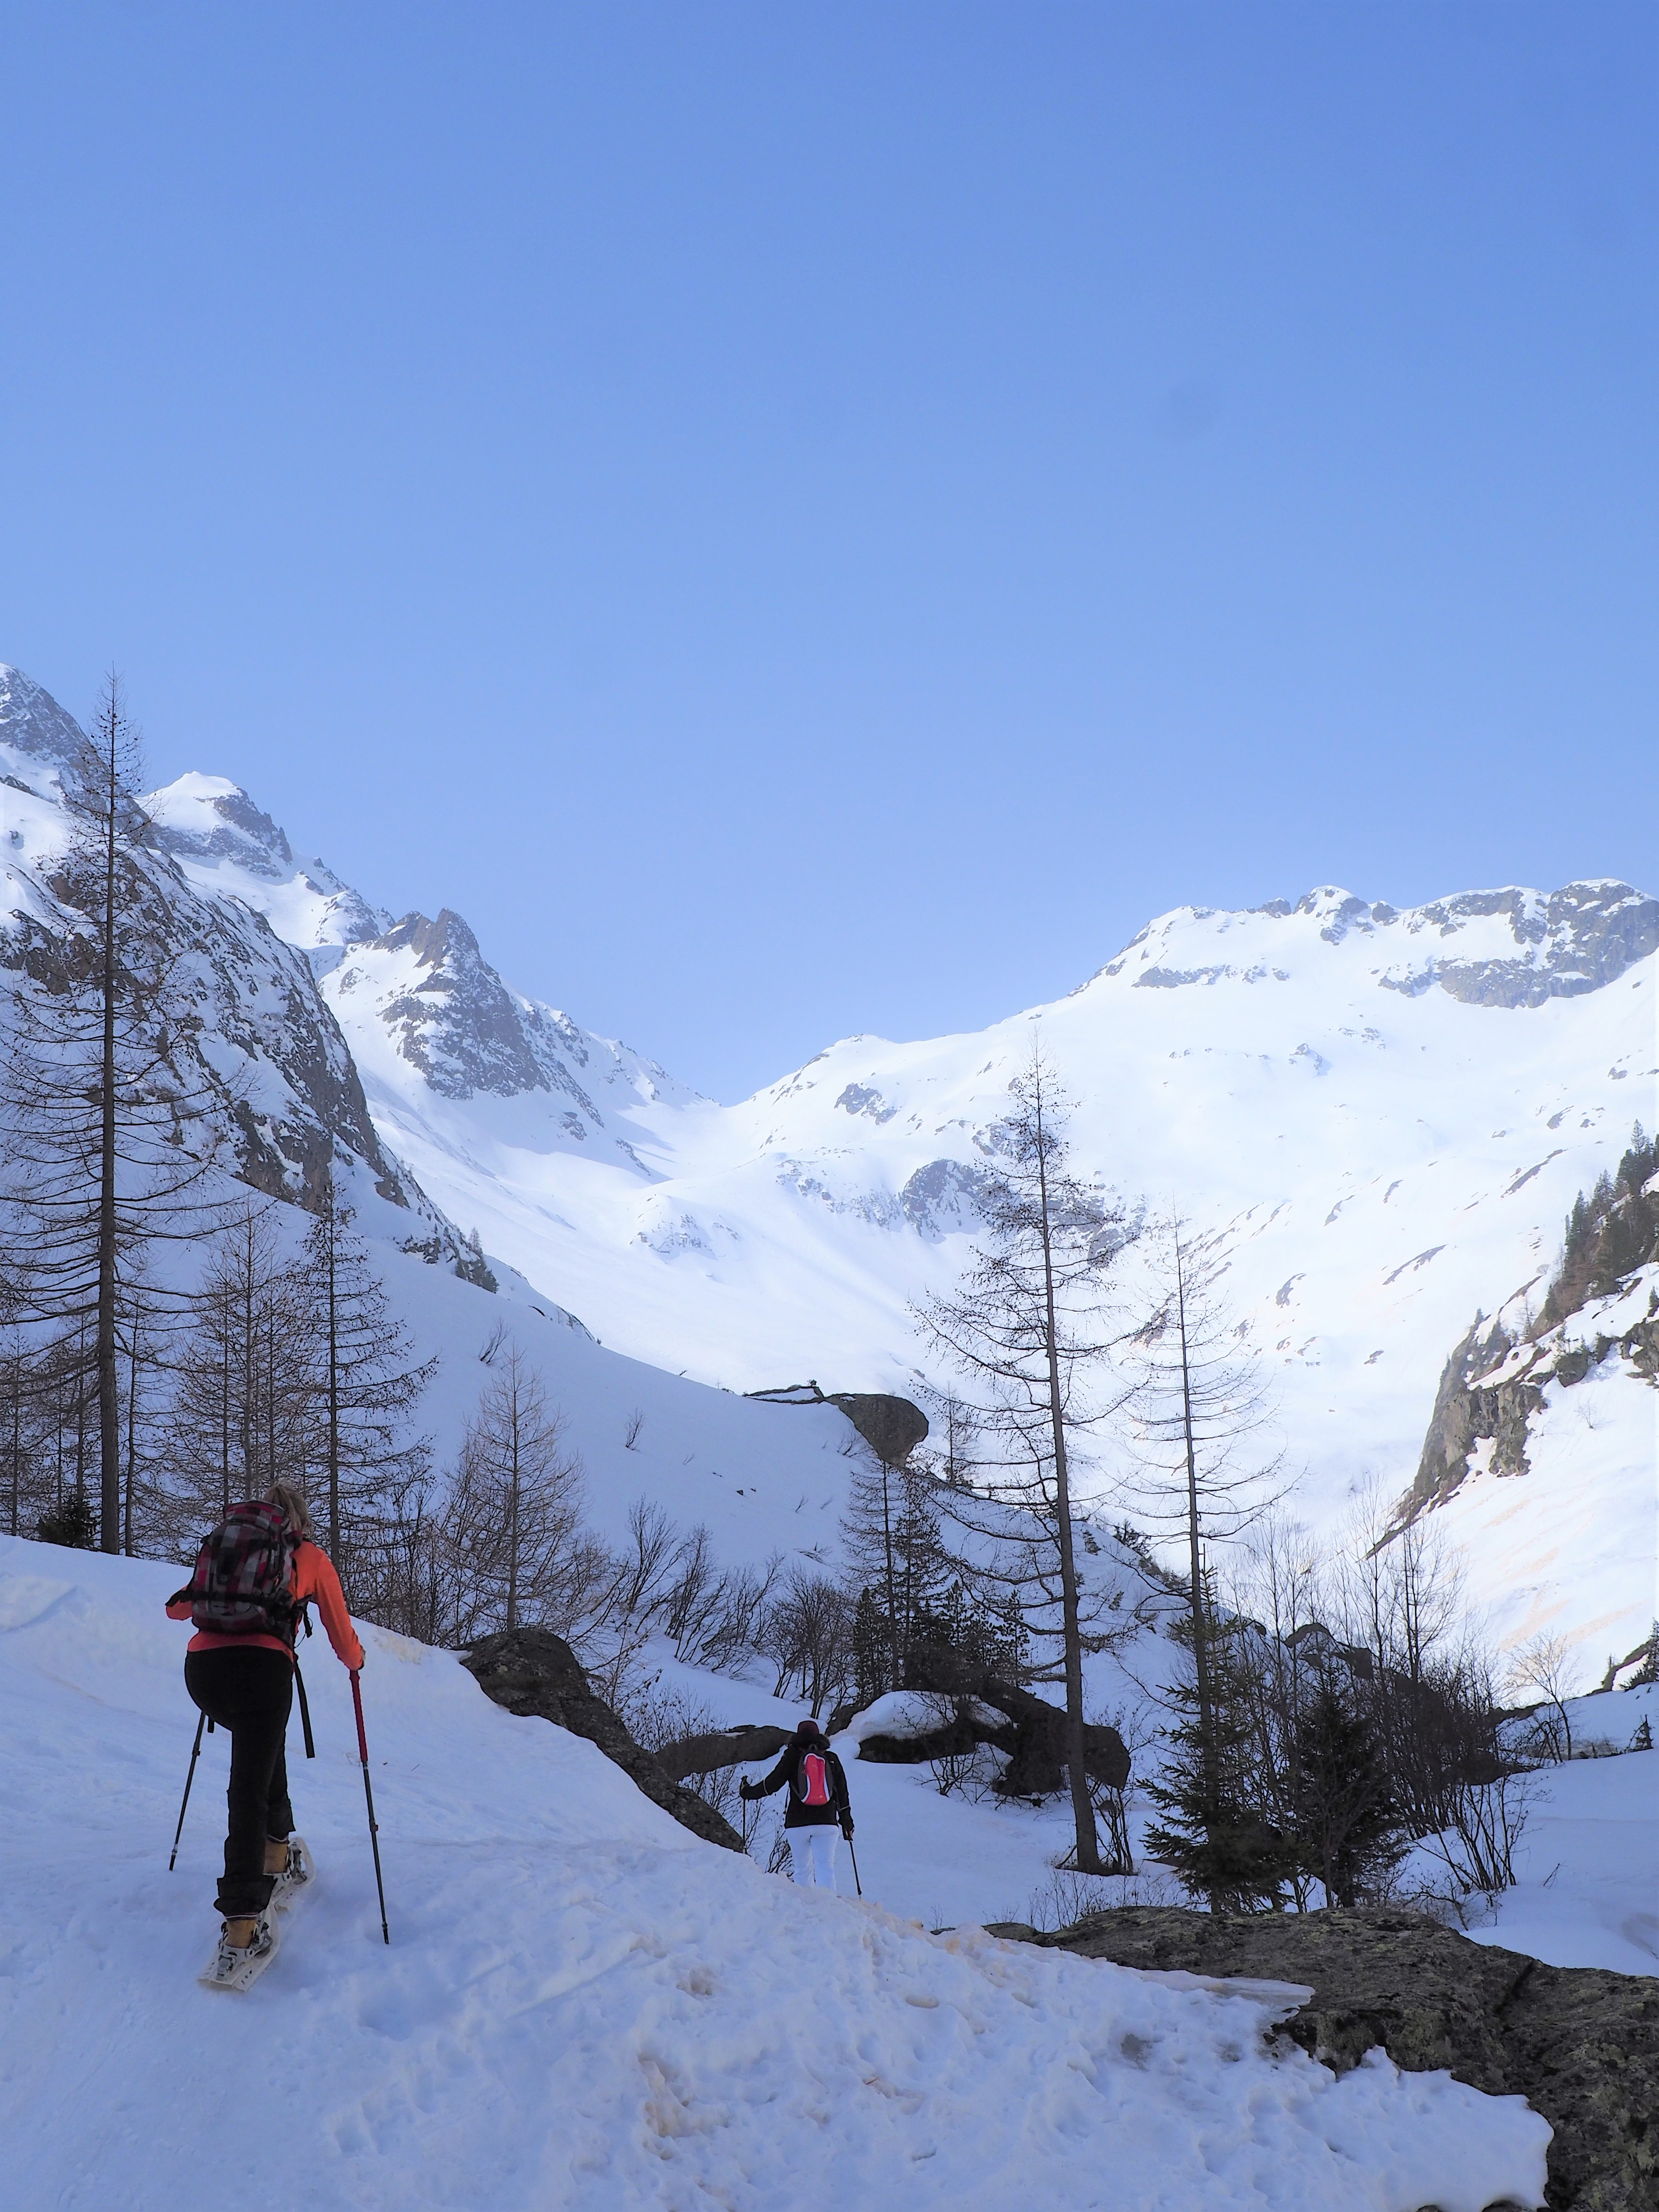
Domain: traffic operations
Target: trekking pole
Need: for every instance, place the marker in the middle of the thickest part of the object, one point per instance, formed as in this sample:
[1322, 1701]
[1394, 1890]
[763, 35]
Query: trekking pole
[368, 1799]
[189, 1776]
[853, 1855]
[305, 1711]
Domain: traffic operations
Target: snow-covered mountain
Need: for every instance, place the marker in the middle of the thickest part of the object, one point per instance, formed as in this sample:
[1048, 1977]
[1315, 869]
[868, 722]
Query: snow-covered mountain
[1387, 1113]
[252, 1040]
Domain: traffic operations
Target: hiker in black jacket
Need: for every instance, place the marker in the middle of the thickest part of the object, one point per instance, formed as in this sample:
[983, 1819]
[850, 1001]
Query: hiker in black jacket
[818, 1803]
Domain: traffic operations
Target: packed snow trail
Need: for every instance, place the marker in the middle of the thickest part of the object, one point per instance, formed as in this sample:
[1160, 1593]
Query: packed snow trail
[584, 2007]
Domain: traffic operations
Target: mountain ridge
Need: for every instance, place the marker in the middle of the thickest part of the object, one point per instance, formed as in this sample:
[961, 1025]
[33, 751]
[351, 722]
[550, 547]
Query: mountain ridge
[1380, 1115]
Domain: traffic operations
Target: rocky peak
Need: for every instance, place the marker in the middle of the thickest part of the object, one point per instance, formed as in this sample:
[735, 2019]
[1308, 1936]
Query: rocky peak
[446, 944]
[205, 817]
[1512, 947]
[1565, 943]
[455, 1019]
[34, 724]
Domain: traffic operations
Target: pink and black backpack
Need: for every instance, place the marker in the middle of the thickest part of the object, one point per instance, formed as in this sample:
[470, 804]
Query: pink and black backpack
[812, 1783]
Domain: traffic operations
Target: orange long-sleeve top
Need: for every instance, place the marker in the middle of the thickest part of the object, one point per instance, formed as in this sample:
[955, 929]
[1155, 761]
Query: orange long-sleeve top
[314, 1579]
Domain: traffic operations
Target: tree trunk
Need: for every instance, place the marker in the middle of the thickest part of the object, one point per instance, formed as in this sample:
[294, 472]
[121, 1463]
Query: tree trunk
[132, 1435]
[1083, 1805]
[1201, 1630]
[892, 1596]
[512, 1521]
[104, 1354]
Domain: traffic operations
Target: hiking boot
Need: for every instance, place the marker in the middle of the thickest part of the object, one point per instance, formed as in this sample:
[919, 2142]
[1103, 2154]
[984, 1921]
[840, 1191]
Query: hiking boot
[234, 1965]
[296, 1873]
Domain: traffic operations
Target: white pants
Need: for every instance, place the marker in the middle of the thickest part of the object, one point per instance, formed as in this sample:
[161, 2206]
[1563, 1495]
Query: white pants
[813, 1855]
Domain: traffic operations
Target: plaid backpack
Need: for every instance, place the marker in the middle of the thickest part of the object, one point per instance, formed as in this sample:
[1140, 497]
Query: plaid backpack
[243, 1584]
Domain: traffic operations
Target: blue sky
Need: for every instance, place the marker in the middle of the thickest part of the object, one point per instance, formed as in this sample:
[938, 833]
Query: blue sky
[801, 521]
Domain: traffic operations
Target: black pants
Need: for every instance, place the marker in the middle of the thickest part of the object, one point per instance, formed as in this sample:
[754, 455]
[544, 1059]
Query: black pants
[248, 1694]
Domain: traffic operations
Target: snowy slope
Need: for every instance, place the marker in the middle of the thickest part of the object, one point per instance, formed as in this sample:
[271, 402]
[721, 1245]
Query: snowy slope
[1587, 1887]
[1387, 1114]
[760, 1478]
[582, 2007]
[231, 846]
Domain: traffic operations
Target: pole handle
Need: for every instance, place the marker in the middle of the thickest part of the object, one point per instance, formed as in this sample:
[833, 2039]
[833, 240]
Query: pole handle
[358, 1707]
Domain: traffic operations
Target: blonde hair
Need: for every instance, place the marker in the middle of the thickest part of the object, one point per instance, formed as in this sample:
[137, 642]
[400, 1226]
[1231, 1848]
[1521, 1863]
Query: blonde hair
[290, 1501]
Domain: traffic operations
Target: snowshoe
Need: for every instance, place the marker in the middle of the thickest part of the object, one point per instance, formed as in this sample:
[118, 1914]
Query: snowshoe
[231, 1969]
[296, 1877]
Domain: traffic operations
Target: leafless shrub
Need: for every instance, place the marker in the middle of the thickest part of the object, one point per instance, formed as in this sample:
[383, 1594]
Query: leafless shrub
[806, 1632]
[1545, 1666]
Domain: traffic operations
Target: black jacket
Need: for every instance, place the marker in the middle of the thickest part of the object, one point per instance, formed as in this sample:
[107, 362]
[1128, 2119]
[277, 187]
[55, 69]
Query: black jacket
[838, 1811]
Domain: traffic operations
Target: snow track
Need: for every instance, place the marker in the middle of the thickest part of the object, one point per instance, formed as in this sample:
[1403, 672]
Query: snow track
[582, 2006]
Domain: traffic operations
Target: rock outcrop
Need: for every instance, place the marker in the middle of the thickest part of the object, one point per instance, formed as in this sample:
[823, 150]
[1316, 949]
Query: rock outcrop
[535, 1674]
[891, 1426]
[1580, 2044]
[1603, 1301]
[1032, 1731]
[717, 1747]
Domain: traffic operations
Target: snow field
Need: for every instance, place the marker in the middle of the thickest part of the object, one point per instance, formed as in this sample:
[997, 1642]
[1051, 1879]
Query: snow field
[583, 2006]
[1587, 1893]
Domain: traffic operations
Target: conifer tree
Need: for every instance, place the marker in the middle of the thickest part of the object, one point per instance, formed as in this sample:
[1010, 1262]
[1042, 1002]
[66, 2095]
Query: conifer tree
[867, 1529]
[1213, 1832]
[1348, 1828]
[365, 1388]
[514, 1514]
[872, 1649]
[1026, 1327]
[1199, 1404]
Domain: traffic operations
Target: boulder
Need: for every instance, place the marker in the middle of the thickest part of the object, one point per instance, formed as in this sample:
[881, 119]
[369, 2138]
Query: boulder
[718, 1747]
[1582, 2046]
[533, 1672]
[891, 1426]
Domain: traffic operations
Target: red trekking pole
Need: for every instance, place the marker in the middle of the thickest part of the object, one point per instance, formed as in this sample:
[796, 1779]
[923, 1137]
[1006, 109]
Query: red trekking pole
[368, 1799]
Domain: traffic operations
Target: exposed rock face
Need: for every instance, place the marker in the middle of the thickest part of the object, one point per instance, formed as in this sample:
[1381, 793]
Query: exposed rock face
[243, 1034]
[451, 1016]
[1500, 948]
[241, 832]
[1575, 941]
[1493, 1387]
[1581, 2045]
[531, 1672]
[1465, 1414]
[945, 1197]
[207, 821]
[31, 719]
[460, 1024]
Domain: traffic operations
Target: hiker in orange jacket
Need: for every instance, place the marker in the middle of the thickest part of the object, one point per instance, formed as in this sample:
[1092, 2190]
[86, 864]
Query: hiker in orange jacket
[243, 1680]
